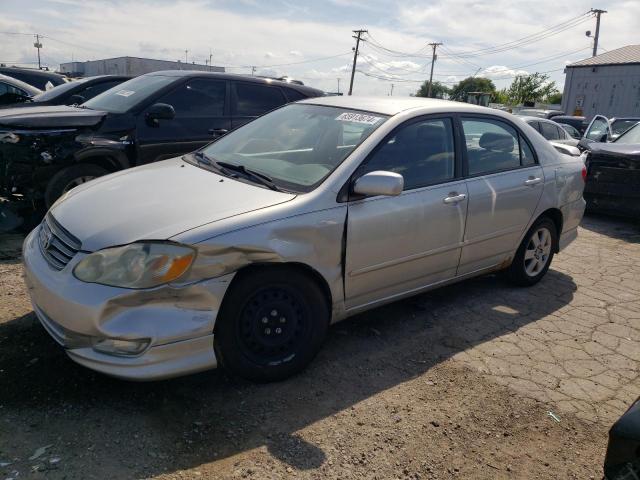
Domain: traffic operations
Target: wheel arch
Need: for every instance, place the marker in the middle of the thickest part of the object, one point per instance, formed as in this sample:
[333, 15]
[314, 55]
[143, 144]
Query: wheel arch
[555, 215]
[110, 160]
[310, 272]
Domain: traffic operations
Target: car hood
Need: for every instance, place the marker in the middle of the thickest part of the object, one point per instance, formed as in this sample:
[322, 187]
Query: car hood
[155, 202]
[626, 149]
[57, 116]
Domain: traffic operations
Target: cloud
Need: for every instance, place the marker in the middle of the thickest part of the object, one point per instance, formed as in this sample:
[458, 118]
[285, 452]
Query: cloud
[500, 72]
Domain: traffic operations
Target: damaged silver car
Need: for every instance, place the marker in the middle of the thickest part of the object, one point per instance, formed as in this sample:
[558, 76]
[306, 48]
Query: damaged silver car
[243, 253]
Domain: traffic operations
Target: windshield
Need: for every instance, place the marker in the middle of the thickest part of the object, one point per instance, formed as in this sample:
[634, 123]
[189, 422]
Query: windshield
[296, 146]
[618, 127]
[128, 94]
[56, 91]
[630, 136]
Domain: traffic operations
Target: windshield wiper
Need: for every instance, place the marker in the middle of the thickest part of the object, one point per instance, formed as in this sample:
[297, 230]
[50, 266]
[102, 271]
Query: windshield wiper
[257, 176]
[202, 158]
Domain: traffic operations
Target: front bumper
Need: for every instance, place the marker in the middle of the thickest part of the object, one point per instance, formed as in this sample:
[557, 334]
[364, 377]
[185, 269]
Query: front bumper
[178, 319]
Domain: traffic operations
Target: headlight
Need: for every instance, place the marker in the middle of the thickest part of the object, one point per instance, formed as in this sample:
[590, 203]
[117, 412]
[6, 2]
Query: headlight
[138, 265]
[116, 346]
[9, 137]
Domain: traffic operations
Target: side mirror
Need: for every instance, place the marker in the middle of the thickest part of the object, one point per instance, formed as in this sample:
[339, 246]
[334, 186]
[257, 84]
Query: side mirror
[76, 100]
[371, 184]
[159, 111]
[603, 138]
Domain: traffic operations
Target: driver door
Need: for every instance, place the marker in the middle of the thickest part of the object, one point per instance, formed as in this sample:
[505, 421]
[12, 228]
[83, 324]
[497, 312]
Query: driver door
[400, 244]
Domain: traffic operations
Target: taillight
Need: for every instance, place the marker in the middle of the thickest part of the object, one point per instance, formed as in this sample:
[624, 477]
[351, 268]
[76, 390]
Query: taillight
[584, 174]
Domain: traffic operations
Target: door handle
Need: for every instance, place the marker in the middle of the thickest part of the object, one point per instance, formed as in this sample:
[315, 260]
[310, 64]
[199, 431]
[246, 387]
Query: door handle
[454, 198]
[218, 131]
[531, 181]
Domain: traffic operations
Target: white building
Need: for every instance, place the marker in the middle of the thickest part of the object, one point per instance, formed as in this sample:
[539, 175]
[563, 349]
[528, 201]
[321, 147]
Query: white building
[129, 66]
[607, 84]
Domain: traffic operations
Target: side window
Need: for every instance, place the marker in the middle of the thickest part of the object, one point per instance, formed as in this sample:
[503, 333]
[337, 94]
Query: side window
[525, 153]
[10, 94]
[422, 152]
[598, 128]
[254, 99]
[549, 131]
[90, 92]
[535, 125]
[198, 98]
[294, 95]
[491, 145]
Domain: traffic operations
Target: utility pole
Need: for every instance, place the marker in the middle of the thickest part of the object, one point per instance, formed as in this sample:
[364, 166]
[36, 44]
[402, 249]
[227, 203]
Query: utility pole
[38, 45]
[186, 52]
[434, 45]
[355, 56]
[210, 59]
[598, 12]
[253, 70]
[338, 84]
[391, 94]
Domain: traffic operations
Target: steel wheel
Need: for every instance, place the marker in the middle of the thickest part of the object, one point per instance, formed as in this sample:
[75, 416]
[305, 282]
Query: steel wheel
[537, 252]
[272, 324]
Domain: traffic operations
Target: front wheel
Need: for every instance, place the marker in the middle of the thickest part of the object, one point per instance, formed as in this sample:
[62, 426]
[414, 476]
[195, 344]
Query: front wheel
[70, 177]
[535, 253]
[271, 324]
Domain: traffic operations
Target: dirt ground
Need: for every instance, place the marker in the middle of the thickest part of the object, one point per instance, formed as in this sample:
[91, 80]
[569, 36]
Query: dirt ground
[456, 383]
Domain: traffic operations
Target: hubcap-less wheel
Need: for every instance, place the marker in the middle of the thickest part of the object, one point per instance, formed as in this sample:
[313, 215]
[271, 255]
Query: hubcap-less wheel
[77, 181]
[536, 255]
[272, 323]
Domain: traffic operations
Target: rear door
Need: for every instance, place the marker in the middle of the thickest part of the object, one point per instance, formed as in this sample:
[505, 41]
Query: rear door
[202, 114]
[250, 100]
[504, 183]
[399, 244]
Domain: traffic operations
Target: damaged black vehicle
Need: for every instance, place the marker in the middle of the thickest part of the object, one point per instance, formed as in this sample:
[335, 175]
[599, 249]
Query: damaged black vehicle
[46, 151]
[613, 175]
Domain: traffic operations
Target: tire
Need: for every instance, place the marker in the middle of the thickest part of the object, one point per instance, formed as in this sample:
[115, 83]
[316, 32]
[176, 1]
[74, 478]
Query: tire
[70, 177]
[535, 253]
[271, 325]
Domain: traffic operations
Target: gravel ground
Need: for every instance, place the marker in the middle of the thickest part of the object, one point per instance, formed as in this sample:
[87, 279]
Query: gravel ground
[455, 383]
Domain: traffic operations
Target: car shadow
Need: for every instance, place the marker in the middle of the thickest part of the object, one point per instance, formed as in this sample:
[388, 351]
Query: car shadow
[615, 227]
[190, 421]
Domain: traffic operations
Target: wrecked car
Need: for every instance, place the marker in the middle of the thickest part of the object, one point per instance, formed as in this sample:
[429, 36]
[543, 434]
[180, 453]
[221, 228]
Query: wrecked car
[602, 129]
[14, 91]
[242, 253]
[613, 175]
[46, 151]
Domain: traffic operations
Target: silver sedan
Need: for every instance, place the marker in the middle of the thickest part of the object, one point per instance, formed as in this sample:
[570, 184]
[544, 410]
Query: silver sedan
[243, 253]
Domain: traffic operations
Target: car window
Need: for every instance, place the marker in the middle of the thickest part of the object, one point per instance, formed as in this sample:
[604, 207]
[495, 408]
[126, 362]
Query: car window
[294, 95]
[10, 94]
[57, 91]
[197, 98]
[549, 131]
[598, 129]
[129, 94]
[422, 152]
[93, 90]
[254, 99]
[526, 154]
[630, 136]
[570, 130]
[618, 127]
[534, 124]
[492, 145]
[297, 145]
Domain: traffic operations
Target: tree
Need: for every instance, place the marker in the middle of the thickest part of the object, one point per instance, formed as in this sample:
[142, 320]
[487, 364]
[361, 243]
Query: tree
[471, 84]
[531, 88]
[554, 98]
[501, 96]
[438, 90]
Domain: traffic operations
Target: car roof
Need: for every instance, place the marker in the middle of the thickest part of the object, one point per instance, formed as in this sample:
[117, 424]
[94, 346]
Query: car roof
[20, 84]
[395, 105]
[235, 76]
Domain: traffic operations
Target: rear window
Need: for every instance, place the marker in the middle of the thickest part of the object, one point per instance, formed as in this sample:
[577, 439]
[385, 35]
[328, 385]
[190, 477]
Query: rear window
[294, 95]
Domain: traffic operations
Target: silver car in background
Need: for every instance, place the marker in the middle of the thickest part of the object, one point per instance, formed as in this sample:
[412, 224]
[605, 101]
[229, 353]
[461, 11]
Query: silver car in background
[244, 252]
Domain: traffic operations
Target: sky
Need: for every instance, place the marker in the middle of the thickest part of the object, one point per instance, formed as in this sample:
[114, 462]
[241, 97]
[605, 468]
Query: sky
[312, 40]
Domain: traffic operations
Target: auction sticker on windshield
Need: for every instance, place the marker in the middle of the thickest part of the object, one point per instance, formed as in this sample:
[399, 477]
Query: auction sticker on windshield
[125, 93]
[358, 118]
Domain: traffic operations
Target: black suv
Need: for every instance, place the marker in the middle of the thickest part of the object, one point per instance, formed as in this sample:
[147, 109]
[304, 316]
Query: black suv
[46, 151]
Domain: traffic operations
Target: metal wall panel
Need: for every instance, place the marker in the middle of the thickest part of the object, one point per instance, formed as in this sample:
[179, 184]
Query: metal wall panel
[610, 90]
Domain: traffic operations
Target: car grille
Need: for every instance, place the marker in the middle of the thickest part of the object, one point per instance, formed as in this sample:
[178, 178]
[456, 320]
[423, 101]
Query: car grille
[56, 244]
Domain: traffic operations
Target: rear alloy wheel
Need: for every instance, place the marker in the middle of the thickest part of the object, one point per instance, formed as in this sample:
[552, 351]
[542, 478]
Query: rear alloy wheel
[535, 253]
[69, 178]
[271, 325]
